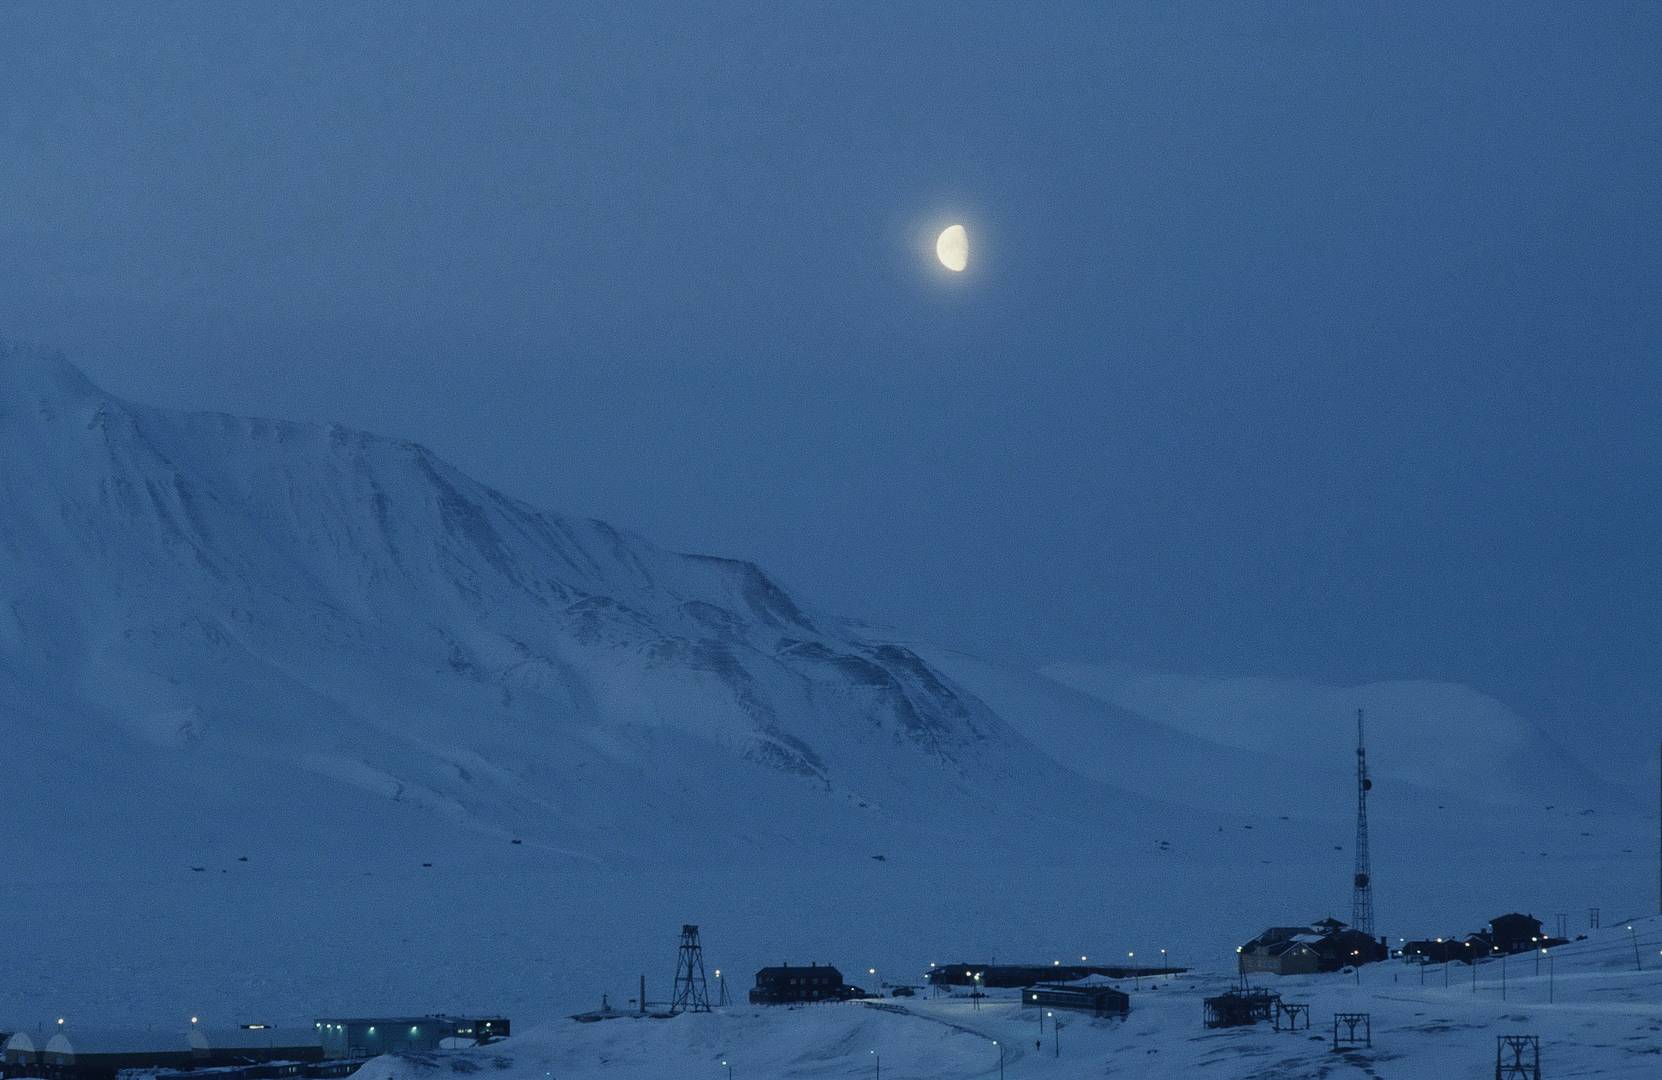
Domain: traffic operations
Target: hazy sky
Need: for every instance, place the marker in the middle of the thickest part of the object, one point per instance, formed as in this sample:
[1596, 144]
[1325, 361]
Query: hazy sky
[1314, 339]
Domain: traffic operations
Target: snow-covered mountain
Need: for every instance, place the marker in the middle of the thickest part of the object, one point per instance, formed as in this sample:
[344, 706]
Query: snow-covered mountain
[275, 699]
[317, 600]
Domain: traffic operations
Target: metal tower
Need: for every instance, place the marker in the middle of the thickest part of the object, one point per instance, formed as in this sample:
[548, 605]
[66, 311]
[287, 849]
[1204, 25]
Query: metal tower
[692, 993]
[1361, 897]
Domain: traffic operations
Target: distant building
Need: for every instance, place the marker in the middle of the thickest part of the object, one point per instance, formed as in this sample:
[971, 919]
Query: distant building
[1007, 976]
[371, 1036]
[1510, 933]
[1515, 933]
[787, 985]
[1093, 996]
[100, 1055]
[1327, 945]
[254, 1043]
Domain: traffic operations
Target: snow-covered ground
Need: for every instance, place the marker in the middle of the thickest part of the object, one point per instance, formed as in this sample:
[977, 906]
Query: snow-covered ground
[1604, 1019]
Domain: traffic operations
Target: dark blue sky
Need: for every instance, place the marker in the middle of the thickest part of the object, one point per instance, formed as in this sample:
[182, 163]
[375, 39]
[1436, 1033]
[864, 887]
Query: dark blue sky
[1300, 339]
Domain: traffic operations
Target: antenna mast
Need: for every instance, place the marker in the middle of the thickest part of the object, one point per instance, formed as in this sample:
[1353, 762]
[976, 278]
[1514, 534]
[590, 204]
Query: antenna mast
[1361, 897]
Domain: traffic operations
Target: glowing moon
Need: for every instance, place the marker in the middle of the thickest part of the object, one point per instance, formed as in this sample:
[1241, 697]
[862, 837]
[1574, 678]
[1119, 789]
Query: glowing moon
[952, 248]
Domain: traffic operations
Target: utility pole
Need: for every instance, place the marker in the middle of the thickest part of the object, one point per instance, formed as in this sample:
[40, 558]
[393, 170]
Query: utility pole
[1361, 897]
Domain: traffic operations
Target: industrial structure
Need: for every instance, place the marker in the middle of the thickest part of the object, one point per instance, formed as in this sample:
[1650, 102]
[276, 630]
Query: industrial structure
[691, 992]
[1238, 1008]
[1361, 897]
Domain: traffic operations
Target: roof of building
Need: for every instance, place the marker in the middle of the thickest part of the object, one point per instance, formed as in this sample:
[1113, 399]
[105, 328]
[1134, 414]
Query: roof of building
[25, 1043]
[1093, 985]
[413, 1021]
[82, 1042]
[253, 1038]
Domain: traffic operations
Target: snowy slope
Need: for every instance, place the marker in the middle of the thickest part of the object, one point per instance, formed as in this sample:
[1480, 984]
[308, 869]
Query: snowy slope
[1420, 730]
[321, 601]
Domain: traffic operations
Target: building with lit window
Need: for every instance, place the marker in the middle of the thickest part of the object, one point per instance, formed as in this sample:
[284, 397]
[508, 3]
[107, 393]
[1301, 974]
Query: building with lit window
[369, 1036]
[787, 985]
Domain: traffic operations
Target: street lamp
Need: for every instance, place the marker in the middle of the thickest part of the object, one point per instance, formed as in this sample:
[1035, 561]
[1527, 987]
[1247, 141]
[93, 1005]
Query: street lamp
[728, 1065]
[1165, 965]
[1000, 1058]
[1131, 959]
[877, 1061]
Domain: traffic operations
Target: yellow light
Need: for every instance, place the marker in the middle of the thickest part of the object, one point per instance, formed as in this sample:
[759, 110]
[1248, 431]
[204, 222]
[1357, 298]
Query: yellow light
[193, 1019]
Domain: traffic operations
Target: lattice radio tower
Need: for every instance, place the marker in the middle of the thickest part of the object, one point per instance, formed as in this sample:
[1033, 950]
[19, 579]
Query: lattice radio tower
[692, 993]
[1361, 897]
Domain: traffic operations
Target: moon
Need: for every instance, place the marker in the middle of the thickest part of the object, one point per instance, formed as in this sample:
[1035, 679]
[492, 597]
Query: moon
[952, 248]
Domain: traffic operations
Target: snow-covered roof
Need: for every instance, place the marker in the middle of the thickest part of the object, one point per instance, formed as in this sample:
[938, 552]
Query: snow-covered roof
[25, 1043]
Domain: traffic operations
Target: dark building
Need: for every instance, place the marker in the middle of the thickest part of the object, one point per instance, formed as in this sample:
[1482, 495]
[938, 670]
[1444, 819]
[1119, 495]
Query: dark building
[1327, 945]
[1510, 933]
[1438, 951]
[372, 1036]
[100, 1055]
[1097, 999]
[1009, 976]
[787, 985]
[1515, 933]
[1282, 950]
[253, 1044]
